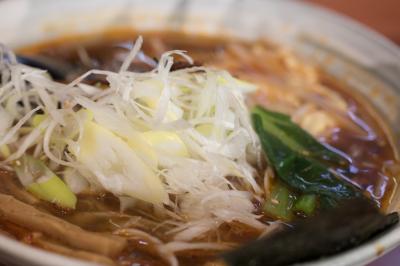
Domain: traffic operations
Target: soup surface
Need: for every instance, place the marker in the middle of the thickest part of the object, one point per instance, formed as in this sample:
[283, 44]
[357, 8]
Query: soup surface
[321, 105]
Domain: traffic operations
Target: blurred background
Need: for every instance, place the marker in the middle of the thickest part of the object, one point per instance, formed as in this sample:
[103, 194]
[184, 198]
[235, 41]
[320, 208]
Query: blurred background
[380, 15]
[384, 17]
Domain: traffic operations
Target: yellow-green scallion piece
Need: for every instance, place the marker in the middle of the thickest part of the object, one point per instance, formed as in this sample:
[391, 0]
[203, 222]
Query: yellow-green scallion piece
[39, 180]
[279, 204]
[306, 204]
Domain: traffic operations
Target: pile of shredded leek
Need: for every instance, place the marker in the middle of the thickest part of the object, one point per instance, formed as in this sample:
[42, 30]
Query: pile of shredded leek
[173, 139]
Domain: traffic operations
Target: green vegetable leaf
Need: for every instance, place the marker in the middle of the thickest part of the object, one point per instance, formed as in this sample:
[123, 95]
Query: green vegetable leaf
[297, 138]
[299, 160]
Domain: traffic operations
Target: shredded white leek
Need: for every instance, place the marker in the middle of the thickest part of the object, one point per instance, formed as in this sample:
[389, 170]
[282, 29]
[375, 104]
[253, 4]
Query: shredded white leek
[184, 135]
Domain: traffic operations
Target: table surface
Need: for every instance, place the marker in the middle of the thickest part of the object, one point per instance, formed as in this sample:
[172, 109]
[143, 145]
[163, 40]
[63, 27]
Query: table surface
[383, 16]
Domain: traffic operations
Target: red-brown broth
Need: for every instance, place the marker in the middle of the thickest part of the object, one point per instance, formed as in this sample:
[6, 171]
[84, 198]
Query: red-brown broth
[107, 51]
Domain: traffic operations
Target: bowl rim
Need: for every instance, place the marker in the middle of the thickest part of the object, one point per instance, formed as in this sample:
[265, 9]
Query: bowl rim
[356, 256]
[35, 256]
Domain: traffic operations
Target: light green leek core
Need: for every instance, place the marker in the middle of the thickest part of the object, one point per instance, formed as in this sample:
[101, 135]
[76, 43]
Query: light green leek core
[39, 180]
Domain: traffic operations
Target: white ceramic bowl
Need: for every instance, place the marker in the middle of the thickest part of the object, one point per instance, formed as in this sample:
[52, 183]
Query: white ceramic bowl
[366, 59]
